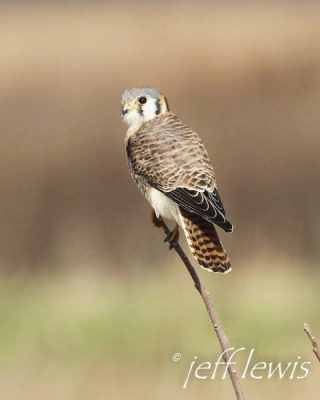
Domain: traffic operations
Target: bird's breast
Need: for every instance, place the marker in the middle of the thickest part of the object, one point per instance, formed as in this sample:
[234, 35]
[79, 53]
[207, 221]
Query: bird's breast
[162, 205]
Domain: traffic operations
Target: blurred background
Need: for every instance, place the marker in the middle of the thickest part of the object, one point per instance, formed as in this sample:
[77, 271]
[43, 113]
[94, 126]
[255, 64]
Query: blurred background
[92, 303]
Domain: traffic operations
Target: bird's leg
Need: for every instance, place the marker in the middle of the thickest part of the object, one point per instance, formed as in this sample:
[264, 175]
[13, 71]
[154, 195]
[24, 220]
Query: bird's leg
[173, 237]
[155, 220]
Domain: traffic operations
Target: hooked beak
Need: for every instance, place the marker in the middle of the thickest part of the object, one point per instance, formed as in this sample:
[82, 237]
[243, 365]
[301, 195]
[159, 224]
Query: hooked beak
[127, 107]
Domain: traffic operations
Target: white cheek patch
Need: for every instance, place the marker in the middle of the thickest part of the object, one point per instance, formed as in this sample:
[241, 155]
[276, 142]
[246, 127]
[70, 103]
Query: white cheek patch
[149, 109]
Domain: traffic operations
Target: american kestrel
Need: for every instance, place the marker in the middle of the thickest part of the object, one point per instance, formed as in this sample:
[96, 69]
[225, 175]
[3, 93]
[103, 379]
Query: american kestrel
[171, 166]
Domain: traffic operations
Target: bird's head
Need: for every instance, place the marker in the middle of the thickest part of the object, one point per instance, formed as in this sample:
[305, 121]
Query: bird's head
[142, 104]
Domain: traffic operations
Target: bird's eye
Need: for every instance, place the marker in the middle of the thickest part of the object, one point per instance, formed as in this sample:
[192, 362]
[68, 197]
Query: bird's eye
[142, 100]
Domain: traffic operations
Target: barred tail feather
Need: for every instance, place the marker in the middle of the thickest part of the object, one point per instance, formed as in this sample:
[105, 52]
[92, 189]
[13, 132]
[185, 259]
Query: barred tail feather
[204, 243]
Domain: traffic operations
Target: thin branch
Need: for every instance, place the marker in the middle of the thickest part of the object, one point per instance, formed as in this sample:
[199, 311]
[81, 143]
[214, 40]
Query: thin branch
[313, 340]
[223, 340]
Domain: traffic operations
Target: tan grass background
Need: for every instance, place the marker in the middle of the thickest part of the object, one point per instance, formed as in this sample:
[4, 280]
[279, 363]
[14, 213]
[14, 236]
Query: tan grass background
[245, 77]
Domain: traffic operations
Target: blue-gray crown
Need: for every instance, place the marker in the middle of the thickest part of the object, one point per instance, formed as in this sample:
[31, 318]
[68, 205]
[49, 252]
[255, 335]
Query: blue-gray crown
[133, 93]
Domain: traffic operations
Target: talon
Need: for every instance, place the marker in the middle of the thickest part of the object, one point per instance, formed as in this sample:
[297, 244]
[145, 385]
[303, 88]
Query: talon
[157, 222]
[173, 237]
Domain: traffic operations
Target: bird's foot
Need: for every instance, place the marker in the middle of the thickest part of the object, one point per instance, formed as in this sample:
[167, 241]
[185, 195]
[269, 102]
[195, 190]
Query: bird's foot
[173, 237]
[156, 221]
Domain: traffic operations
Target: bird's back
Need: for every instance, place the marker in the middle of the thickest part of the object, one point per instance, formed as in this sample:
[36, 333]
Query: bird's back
[166, 146]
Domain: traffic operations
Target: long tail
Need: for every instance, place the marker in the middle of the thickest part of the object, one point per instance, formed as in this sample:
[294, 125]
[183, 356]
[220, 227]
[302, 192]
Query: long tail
[204, 243]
